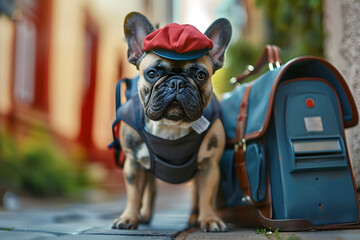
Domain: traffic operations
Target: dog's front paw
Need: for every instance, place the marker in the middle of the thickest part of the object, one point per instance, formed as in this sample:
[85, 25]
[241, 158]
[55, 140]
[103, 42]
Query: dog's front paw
[124, 222]
[145, 217]
[193, 219]
[213, 225]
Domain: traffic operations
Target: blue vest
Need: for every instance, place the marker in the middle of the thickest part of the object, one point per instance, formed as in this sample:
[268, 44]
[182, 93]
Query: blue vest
[173, 161]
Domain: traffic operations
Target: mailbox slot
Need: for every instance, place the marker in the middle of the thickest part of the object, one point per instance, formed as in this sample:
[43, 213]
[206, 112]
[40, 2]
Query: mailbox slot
[317, 154]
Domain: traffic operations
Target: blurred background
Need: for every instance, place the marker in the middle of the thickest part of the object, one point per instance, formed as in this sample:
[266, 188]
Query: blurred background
[60, 61]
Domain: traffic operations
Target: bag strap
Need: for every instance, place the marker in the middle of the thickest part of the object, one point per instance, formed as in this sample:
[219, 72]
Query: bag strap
[271, 56]
[120, 89]
[118, 94]
[252, 217]
[240, 157]
[240, 146]
[121, 94]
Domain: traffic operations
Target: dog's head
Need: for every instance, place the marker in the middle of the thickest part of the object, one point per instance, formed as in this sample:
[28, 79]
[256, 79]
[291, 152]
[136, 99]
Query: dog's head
[175, 64]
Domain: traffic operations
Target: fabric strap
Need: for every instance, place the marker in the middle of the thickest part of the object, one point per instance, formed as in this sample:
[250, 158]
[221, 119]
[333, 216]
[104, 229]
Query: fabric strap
[240, 156]
[271, 56]
[240, 147]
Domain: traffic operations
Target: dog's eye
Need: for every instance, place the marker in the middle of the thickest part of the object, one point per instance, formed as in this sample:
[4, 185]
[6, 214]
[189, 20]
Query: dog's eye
[201, 76]
[151, 74]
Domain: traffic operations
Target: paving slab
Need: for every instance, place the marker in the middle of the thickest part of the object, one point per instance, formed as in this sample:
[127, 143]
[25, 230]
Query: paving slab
[350, 234]
[10, 235]
[139, 232]
[16, 219]
[251, 234]
[94, 221]
[105, 237]
[243, 233]
[57, 229]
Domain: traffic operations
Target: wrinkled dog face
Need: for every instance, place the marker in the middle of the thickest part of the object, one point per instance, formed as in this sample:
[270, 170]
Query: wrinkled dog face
[178, 91]
[174, 91]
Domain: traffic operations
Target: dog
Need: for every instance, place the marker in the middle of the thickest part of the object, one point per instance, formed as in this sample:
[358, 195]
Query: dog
[167, 130]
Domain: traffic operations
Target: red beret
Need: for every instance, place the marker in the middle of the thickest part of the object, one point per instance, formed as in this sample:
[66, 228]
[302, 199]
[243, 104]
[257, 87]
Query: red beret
[178, 42]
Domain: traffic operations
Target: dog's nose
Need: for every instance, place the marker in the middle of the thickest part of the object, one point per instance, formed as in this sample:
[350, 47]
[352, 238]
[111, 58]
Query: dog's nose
[177, 83]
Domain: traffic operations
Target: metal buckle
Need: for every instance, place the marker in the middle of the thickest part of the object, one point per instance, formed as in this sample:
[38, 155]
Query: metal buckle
[271, 67]
[240, 144]
[250, 68]
[277, 64]
[246, 200]
[233, 80]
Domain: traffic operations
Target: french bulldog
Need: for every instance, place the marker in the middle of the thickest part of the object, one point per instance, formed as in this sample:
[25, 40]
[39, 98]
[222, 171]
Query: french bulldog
[174, 94]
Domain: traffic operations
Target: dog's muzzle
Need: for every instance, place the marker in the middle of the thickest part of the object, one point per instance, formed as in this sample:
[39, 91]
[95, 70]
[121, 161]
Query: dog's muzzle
[175, 99]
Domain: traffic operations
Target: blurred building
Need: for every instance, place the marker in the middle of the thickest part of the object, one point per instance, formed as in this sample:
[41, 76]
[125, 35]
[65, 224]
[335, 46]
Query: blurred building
[59, 63]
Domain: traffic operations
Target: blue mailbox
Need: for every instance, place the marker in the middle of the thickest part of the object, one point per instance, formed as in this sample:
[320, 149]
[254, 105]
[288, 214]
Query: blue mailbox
[310, 174]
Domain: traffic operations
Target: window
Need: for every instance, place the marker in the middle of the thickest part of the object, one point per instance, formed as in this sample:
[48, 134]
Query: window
[24, 76]
[31, 55]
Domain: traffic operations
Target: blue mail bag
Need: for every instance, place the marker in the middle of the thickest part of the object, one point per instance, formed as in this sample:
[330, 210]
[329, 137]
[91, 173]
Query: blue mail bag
[286, 164]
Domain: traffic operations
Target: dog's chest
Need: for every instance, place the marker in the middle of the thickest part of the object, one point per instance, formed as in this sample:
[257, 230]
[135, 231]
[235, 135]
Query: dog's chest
[166, 132]
[160, 131]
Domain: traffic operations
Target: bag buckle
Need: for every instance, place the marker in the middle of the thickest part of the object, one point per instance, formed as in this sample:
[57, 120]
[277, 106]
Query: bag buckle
[240, 144]
[246, 200]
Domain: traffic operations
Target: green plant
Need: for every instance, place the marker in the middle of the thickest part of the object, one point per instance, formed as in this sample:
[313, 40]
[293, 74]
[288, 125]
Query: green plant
[45, 172]
[6, 229]
[9, 156]
[38, 167]
[269, 233]
[274, 234]
[296, 26]
[261, 231]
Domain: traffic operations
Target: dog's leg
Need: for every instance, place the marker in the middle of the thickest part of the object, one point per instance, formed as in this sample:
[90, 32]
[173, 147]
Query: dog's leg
[148, 198]
[207, 179]
[134, 176]
[194, 205]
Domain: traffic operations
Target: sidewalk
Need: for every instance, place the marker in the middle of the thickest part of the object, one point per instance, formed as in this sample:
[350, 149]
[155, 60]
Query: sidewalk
[93, 221]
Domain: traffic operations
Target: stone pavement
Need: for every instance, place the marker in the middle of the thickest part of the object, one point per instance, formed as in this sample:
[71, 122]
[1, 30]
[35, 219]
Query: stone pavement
[90, 221]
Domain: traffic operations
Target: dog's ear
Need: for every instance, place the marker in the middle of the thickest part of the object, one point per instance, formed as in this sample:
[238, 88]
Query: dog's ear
[220, 33]
[136, 28]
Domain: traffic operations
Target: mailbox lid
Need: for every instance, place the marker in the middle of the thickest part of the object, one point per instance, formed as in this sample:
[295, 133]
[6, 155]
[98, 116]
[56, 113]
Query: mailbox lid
[316, 67]
[264, 89]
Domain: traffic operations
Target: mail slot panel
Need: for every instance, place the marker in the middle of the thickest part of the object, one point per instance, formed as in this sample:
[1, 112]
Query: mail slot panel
[317, 147]
[310, 154]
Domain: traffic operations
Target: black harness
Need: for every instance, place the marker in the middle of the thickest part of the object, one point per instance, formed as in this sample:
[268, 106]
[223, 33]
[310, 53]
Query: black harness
[173, 161]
